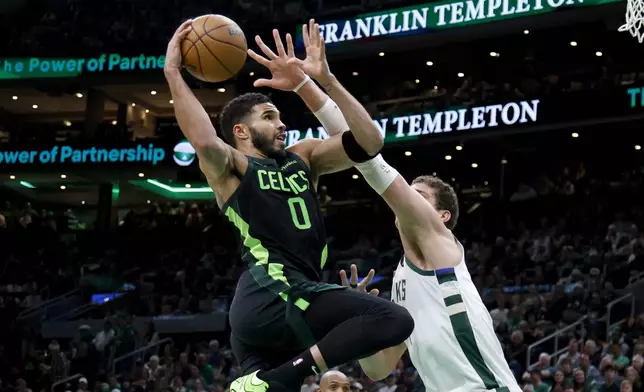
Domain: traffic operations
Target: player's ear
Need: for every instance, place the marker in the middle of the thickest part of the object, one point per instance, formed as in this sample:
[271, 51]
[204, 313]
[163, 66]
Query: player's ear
[446, 216]
[241, 131]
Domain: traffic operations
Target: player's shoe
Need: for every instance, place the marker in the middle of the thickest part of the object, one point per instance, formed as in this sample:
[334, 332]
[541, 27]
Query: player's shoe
[249, 383]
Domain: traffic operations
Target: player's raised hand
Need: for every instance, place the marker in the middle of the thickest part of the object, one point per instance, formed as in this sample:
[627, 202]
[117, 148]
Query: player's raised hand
[285, 76]
[173, 53]
[352, 282]
[315, 64]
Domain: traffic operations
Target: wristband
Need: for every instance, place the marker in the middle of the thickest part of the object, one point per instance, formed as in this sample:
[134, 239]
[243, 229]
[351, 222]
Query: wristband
[378, 174]
[302, 83]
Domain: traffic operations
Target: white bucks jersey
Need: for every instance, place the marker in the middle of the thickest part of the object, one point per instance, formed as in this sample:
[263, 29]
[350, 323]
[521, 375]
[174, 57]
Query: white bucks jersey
[453, 346]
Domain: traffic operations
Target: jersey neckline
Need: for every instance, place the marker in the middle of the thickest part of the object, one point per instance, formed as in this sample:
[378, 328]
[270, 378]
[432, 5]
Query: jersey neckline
[416, 269]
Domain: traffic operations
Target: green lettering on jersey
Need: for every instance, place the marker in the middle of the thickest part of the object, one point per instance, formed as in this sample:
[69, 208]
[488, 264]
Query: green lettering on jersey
[277, 181]
[399, 291]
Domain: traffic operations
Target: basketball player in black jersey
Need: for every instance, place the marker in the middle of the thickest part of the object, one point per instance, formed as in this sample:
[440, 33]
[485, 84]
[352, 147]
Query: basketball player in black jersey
[285, 324]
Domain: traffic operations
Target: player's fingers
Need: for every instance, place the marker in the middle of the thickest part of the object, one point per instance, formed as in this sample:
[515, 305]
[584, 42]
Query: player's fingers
[267, 51]
[305, 36]
[374, 292]
[262, 60]
[290, 48]
[185, 31]
[278, 43]
[295, 61]
[313, 35]
[263, 83]
[343, 278]
[354, 275]
[369, 277]
[184, 25]
[322, 47]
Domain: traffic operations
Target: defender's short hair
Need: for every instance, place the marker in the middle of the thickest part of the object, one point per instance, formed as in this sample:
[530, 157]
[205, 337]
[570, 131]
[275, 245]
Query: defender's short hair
[236, 110]
[446, 198]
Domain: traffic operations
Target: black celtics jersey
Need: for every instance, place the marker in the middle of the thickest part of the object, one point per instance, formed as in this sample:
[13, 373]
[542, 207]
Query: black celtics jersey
[277, 213]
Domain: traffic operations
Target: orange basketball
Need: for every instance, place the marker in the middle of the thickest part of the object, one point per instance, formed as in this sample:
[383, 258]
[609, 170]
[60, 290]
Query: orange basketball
[215, 49]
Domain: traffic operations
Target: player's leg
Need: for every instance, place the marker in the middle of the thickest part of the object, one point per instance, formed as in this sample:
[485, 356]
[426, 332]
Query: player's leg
[348, 325]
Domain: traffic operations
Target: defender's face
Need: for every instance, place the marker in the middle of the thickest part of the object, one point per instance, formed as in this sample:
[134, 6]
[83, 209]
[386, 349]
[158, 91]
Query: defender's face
[268, 132]
[429, 194]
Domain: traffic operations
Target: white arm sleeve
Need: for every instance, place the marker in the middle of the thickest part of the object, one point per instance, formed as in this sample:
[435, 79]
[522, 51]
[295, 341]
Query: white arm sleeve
[332, 118]
[378, 174]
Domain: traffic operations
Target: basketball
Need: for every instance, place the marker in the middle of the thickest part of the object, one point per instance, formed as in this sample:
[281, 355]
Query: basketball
[215, 49]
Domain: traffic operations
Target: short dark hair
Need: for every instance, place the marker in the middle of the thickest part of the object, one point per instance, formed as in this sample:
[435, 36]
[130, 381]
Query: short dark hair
[446, 198]
[235, 111]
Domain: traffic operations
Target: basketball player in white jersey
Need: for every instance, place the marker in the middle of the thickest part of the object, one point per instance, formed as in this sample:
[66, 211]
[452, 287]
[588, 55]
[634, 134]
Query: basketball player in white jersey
[453, 346]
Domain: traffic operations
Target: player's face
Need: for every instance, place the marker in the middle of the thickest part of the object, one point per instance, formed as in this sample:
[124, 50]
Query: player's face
[429, 194]
[267, 131]
[336, 382]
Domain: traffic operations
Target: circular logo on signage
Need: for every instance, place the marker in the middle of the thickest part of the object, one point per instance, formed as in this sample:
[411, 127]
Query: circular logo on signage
[184, 154]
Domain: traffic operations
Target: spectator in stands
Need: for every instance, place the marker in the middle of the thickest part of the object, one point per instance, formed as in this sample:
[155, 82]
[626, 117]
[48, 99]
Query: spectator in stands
[611, 383]
[214, 354]
[83, 386]
[592, 372]
[104, 338]
[626, 386]
[56, 363]
[152, 368]
[572, 355]
[537, 383]
[590, 349]
[309, 385]
[620, 361]
[545, 369]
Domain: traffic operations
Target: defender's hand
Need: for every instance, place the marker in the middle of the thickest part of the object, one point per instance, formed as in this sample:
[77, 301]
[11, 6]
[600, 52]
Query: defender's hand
[173, 53]
[285, 76]
[353, 283]
[315, 64]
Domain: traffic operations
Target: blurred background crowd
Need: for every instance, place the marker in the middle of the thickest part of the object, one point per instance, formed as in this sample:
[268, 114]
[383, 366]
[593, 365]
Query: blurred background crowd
[551, 220]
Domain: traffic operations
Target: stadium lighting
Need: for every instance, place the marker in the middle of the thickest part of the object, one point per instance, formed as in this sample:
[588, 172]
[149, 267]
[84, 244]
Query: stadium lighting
[354, 73]
[460, 74]
[188, 186]
[141, 175]
[79, 95]
[153, 92]
[63, 176]
[34, 106]
[83, 202]
[526, 32]
[573, 43]
[114, 122]
[252, 74]
[12, 177]
[434, 174]
[575, 135]
[133, 104]
[407, 153]
[15, 97]
[417, 81]
[599, 54]
[448, 157]
[147, 110]
[429, 63]
[221, 90]
[638, 147]
[355, 176]
[67, 123]
[148, 201]
[381, 54]
[504, 161]
[475, 165]
[459, 147]
[27, 184]
[172, 102]
[494, 54]
[63, 187]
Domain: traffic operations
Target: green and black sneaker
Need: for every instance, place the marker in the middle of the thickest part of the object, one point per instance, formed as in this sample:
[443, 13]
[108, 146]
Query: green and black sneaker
[249, 383]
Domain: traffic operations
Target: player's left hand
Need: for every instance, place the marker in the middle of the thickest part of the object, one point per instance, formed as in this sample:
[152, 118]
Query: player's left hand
[353, 282]
[315, 64]
[285, 76]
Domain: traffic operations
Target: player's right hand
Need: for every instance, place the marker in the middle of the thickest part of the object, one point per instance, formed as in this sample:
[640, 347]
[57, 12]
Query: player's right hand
[353, 282]
[173, 54]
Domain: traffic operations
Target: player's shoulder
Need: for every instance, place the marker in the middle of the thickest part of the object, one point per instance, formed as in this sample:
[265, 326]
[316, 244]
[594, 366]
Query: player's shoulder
[304, 148]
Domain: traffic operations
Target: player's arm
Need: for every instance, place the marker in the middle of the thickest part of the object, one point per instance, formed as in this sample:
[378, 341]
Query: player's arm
[361, 140]
[215, 156]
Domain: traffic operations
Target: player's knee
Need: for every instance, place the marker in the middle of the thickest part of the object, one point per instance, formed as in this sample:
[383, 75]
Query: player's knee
[404, 324]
